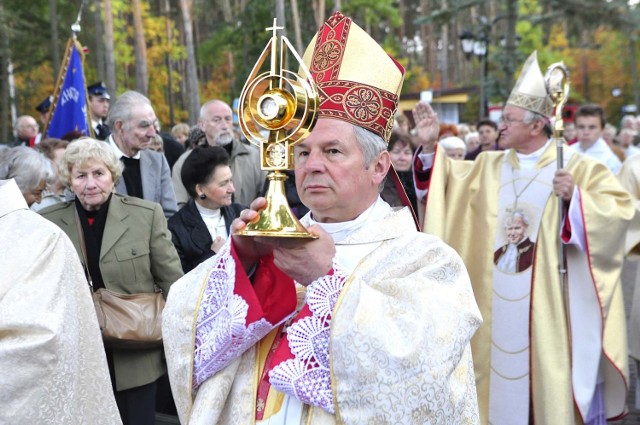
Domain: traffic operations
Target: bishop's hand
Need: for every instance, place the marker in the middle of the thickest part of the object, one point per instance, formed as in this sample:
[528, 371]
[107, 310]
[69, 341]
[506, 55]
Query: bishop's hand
[563, 184]
[305, 260]
[427, 127]
[249, 249]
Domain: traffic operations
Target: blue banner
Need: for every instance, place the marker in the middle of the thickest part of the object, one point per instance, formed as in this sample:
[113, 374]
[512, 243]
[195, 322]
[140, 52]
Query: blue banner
[70, 113]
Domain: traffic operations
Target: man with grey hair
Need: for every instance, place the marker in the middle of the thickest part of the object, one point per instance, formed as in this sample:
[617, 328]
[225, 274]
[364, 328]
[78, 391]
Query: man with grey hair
[216, 120]
[26, 131]
[368, 323]
[146, 173]
[520, 378]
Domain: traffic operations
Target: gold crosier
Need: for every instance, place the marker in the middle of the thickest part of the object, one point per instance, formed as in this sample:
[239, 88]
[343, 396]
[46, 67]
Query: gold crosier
[556, 81]
[284, 104]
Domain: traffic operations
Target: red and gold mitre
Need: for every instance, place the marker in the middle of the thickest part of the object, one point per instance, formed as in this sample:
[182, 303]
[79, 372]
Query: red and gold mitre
[357, 80]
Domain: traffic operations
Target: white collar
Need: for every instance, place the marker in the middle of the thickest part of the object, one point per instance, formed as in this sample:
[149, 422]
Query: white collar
[11, 198]
[340, 231]
[206, 212]
[598, 146]
[529, 161]
[118, 152]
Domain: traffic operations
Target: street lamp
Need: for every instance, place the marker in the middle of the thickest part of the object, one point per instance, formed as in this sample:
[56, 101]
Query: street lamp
[466, 41]
[478, 46]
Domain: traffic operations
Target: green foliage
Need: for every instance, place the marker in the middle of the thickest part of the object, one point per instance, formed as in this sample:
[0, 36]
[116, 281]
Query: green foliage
[591, 36]
[373, 12]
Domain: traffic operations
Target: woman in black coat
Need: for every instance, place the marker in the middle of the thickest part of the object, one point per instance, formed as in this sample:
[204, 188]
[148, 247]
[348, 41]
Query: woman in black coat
[201, 227]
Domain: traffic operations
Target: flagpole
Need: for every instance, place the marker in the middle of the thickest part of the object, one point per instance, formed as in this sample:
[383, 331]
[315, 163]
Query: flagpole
[71, 43]
[59, 82]
[76, 29]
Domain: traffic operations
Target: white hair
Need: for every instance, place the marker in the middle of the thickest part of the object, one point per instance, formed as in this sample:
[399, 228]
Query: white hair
[27, 166]
[452, 142]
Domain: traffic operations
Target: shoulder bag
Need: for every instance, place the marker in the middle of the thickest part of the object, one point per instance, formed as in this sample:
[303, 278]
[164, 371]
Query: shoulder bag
[131, 321]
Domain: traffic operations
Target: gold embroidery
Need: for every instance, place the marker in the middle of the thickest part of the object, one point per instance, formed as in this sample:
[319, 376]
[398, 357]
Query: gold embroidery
[363, 104]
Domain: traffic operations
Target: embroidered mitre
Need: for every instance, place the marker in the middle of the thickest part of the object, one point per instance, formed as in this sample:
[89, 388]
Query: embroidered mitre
[530, 91]
[357, 80]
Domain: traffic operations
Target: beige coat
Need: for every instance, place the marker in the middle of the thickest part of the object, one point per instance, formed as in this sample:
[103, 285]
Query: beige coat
[136, 252]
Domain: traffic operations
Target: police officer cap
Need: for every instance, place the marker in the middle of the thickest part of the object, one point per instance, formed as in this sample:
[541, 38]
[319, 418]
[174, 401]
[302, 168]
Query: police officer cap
[44, 105]
[98, 89]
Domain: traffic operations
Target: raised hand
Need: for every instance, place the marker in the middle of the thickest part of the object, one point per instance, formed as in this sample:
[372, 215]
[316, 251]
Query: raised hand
[427, 126]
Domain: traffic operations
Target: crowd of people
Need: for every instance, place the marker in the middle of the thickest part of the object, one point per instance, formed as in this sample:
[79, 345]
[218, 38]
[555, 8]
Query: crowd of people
[457, 274]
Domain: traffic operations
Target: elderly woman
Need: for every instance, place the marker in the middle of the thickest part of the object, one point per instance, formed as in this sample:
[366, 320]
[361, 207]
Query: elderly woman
[54, 193]
[401, 154]
[128, 250]
[31, 170]
[200, 228]
[454, 147]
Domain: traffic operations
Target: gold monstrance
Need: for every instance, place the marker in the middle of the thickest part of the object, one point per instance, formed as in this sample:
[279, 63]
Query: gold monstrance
[285, 105]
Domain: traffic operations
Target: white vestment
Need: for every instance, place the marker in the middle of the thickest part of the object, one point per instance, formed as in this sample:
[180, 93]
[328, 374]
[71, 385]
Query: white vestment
[398, 344]
[53, 369]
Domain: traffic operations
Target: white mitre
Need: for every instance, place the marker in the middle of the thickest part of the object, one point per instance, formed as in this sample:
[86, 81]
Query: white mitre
[530, 91]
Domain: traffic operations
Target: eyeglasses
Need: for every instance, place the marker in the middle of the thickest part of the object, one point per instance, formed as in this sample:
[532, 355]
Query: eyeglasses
[510, 121]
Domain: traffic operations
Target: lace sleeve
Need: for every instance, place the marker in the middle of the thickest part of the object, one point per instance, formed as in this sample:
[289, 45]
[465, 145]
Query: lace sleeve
[306, 374]
[234, 314]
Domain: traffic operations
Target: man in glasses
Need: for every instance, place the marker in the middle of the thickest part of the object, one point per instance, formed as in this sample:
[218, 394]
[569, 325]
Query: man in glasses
[216, 120]
[552, 348]
[146, 174]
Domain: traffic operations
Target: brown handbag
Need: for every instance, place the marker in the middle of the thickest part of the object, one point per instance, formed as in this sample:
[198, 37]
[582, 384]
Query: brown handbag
[131, 321]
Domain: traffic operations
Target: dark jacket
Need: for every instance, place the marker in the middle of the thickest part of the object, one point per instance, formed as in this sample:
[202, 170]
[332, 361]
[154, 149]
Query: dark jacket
[172, 149]
[190, 235]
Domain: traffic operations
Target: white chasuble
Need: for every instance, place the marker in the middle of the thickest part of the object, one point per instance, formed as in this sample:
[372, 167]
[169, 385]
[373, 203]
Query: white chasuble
[522, 197]
[565, 352]
[398, 344]
[53, 370]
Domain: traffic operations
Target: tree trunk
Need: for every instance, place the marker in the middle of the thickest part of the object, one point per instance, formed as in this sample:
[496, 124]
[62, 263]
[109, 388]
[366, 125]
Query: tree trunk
[55, 55]
[318, 12]
[634, 68]
[109, 49]
[4, 76]
[140, 49]
[191, 75]
[296, 27]
[169, 63]
[512, 20]
[444, 51]
[99, 42]
[281, 20]
[226, 10]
